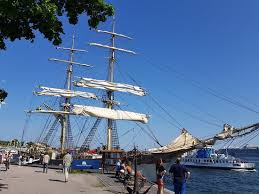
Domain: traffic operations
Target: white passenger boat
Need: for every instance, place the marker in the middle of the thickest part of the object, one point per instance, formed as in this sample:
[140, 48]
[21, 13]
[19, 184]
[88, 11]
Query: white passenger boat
[208, 158]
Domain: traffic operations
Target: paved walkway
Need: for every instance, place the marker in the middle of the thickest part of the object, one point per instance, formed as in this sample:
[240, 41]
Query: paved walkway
[30, 180]
[115, 186]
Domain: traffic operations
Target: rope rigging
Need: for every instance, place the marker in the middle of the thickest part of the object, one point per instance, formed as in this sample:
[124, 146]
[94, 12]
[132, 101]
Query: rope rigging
[196, 107]
[204, 89]
[178, 125]
[253, 137]
[28, 117]
[81, 131]
[152, 136]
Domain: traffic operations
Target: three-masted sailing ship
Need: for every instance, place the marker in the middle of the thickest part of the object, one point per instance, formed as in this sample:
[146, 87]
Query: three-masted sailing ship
[109, 111]
[185, 142]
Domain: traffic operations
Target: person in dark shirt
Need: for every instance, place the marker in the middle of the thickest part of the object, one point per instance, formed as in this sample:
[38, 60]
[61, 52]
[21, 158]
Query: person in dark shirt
[160, 172]
[180, 174]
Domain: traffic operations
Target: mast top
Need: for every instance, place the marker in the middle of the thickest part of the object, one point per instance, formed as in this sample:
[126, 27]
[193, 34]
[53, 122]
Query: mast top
[115, 34]
[72, 49]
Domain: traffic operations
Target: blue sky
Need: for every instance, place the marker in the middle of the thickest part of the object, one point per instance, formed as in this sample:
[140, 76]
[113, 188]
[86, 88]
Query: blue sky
[215, 43]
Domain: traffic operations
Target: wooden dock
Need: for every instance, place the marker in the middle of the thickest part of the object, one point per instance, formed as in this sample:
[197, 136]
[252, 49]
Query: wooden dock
[114, 185]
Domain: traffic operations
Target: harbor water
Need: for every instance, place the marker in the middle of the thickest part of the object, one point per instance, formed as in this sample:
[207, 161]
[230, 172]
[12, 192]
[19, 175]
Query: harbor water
[215, 181]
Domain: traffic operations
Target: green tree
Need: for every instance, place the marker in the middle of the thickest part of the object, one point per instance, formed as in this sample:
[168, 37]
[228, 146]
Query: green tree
[3, 95]
[30, 144]
[14, 142]
[22, 18]
[4, 143]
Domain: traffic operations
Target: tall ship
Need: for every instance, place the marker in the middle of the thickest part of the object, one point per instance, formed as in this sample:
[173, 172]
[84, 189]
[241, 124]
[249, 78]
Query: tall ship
[186, 142]
[108, 108]
[68, 107]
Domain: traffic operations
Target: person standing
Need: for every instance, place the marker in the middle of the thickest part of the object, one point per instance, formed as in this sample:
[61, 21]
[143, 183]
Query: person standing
[160, 172]
[117, 168]
[180, 174]
[45, 162]
[20, 160]
[67, 160]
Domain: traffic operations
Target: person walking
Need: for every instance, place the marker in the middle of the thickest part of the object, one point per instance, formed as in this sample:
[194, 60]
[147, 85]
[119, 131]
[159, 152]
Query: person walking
[45, 162]
[160, 172]
[7, 160]
[180, 174]
[67, 160]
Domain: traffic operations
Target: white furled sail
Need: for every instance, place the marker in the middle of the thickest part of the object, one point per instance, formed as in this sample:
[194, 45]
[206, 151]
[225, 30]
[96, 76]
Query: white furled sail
[64, 93]
[108, 113]
[103, 84]
[39, 110]
[185, 141]
[231, 132]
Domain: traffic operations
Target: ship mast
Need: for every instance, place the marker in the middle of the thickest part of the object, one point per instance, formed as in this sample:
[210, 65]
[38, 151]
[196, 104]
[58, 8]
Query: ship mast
[110, 92]
[63, 115]
[65, 122]
[108, 85]
[110, 101]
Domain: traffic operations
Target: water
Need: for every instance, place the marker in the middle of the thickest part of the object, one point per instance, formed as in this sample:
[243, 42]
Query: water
[215, 181]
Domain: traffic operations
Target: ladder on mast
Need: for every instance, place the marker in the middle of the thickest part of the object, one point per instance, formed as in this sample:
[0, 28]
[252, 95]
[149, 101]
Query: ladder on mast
[91, 134]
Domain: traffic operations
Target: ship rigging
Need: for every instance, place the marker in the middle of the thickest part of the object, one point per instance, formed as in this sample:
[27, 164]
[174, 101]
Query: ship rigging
[111, 108]
[108, 112]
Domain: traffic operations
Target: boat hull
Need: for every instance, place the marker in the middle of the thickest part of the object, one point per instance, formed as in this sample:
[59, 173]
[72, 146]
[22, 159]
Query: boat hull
[246, 167]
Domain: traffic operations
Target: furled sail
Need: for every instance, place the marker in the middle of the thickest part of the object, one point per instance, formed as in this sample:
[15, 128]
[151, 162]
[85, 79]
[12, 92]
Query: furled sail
[231, 132]
[185, 141]
[39, 110]
[108, 113]
[102, 84]
[64, 93]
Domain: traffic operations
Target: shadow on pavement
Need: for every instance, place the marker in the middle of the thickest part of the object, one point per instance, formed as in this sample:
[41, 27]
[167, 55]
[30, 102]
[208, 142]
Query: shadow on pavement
[3, 186]
[57, 180]
[39, 171]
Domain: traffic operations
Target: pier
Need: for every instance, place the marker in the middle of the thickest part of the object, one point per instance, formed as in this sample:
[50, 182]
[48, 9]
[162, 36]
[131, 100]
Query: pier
[113, 185]
[31, 180]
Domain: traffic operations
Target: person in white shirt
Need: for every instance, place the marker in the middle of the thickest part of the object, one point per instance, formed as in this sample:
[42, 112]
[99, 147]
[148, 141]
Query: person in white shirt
[67, 160]
[45, 162]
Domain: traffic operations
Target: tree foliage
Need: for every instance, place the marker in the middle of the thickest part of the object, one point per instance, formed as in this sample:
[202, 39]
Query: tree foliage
[22, 18]
[3, 95]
